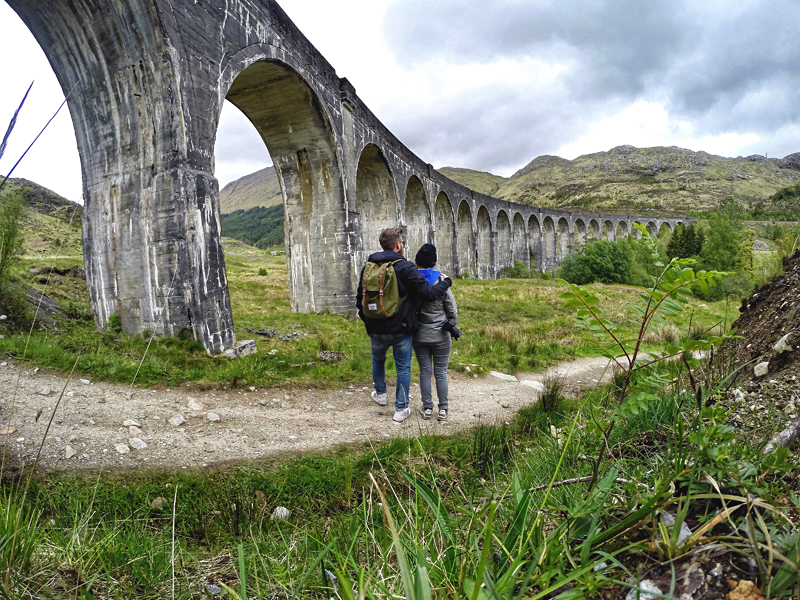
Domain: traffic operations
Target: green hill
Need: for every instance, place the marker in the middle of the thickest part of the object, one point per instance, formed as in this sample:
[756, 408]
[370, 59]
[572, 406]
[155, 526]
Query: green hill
[627, 179]
[480, 181]
[51, 224]
[258, 226]
[257, 189]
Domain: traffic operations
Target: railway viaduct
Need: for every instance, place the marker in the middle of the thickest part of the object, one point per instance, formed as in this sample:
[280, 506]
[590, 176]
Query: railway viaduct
[146, 81]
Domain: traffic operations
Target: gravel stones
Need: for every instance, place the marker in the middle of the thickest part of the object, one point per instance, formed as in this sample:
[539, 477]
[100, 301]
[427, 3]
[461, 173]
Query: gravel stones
[131, 423]
[503, 376]
[137, 443]
[69, 451]
[122, 448]
[177, 420]
[134, 431]
[213, 417]
[45, 391]
[195, 404]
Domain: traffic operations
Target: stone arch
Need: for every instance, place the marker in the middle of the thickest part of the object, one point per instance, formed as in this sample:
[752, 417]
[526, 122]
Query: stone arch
[465, 241]
[550, 244]
[608, 230]
[594, 230]
[651, 228]
[307, 165]
[417, 217]
[622, 230]
[564, 241]
[376, 198]
[535, 237]
[664, 229]
[484, 244]
[579, 234]
[445, 233]
[503, 247]
[520, 241]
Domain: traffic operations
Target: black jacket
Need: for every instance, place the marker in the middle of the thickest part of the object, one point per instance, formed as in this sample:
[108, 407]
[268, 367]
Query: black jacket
[411, 284]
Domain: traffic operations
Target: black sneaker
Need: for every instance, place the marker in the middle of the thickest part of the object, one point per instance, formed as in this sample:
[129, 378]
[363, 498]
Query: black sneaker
[426, 413]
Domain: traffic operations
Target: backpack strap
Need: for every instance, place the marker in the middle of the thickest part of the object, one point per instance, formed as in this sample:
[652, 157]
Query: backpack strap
[363, 281]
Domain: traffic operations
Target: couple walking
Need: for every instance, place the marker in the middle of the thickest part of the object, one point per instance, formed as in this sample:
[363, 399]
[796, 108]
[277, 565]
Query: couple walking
[407, 306]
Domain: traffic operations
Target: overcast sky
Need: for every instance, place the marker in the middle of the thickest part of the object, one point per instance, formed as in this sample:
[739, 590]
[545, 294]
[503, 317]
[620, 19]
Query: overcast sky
[491, 85]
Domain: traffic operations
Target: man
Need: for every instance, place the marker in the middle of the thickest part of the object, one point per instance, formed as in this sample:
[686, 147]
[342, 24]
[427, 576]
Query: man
[396, 331]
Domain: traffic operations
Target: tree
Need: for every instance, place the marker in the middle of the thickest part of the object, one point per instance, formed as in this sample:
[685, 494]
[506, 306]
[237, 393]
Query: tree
[10, 234]
[675, 244]
[721, 248]
[607, 261]
[735, 211]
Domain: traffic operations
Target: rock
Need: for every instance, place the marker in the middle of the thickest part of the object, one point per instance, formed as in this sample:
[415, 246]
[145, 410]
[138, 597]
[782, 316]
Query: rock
[213, 417]
[8, 430]
[134, 431]
[285, 405]
[69, 451]
[330, 356]
[195, 404]
[252, 388]
[243, 348]
[45, 391]
[131, 423]
[158, 502]
[281, 513]
[539, 387]
[85, 381]
[745, 590]
[502, 376]
[213, 590]
[646, 590]
[262, 402]
[782, 345]
[268, 332]
[761, 369]
[137, 443]
[122, 448]
[738, 395]
[3, 317]
[177, 420]
[3, 364]
[669, 520]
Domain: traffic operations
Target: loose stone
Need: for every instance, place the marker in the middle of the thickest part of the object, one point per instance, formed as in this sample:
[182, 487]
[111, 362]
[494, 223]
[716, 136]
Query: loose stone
[69, 451]
[195, 404]
[122, 448]
[45, 391]
[177, 420]
[213, 417]
[134, 431]
[138, 443]
[131, 423]
[85, 381]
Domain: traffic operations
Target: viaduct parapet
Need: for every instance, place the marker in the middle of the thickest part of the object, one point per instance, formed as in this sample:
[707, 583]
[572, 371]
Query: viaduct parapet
[146, 81]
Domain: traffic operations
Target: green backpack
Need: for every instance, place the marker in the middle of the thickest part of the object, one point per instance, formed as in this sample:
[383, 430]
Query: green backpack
[380, 292]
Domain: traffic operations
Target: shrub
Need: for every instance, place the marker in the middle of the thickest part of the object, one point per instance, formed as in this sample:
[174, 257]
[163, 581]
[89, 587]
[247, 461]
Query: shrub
[519, 271]
[602, 261]
[262, 272]
[10, 233]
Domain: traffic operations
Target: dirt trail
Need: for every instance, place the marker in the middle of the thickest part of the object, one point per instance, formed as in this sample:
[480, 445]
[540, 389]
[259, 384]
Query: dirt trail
[89, 425]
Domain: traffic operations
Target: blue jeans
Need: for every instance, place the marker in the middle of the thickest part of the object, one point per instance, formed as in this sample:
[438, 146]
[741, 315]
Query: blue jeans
[401, 349]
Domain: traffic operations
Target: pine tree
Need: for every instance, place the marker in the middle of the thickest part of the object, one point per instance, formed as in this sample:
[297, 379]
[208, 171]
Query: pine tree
[674, 246]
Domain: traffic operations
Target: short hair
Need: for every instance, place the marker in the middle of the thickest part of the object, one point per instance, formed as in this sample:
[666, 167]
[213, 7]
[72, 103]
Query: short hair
[389, 238]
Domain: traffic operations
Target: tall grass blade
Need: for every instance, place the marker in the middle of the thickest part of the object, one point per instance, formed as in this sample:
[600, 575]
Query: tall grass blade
[13, 122]
[310, 571]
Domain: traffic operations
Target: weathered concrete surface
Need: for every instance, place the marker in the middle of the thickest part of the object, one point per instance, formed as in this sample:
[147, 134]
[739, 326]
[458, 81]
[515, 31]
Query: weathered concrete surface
[147, 80]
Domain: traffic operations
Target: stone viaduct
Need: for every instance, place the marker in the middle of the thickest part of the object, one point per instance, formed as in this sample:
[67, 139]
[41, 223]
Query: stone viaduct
[146, 81]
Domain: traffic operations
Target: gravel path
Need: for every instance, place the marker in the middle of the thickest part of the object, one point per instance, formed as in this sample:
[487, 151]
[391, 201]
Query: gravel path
[113, 427]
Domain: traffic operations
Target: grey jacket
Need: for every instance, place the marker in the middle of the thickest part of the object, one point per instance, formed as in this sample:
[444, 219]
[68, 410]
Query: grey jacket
[433, 315]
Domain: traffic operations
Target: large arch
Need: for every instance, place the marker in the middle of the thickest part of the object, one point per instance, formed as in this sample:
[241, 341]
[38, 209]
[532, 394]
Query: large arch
[608, 230]
[564, 241]
[465, 242]
[417, 217]
[622, 230]
[376, 198]
[594, 230]
[664, 229]
[550, 243]
[484, 245]
[503, 247]
[535, 237]
[521, 252]
[308, 169]
[651, 228]
[445, 233]
[579, 234]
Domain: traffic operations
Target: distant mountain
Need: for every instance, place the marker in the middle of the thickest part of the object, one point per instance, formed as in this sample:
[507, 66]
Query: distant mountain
[257, 189]
[635, 180]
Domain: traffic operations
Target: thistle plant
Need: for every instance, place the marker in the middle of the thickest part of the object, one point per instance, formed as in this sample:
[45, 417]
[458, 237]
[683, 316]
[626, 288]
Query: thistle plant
[667, 297]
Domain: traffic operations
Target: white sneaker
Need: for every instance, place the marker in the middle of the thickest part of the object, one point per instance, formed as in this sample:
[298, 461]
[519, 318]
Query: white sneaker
[401, 415]
[379, 398]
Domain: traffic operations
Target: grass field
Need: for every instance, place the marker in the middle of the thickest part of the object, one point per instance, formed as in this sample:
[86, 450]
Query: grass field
[509, 325]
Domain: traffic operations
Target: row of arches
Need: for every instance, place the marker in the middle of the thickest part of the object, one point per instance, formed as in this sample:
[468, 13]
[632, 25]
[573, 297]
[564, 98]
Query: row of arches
[478, 244]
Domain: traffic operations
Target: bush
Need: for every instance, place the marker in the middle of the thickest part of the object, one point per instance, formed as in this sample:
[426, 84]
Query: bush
[519, 271]
[601, 261]
[262, 272]
[10, 233]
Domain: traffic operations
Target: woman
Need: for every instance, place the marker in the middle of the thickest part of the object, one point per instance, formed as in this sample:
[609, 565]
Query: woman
[432, 342]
